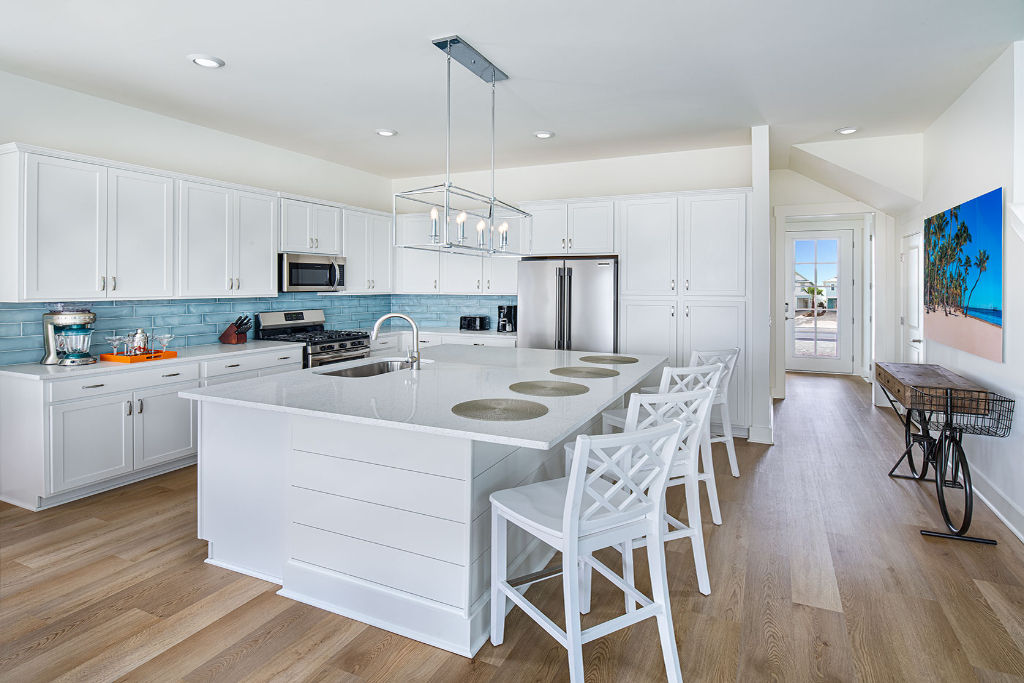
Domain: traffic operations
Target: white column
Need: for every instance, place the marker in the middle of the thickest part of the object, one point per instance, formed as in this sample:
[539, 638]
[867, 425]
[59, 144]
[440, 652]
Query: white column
[759, 328]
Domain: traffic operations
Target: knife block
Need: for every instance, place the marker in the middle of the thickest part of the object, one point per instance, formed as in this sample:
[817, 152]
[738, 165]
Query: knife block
[233, 336]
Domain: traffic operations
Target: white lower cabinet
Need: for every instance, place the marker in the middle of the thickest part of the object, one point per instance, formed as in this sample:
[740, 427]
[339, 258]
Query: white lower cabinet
[165, 425]
[90, 440]
[710, 324]
[649, 326]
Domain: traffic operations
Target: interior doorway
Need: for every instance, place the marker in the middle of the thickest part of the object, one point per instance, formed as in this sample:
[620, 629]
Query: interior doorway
[912, 298]
[820, 324]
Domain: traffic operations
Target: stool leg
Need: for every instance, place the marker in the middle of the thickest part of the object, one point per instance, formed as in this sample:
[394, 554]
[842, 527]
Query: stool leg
[573, 634]
[627, 572]
[586, 574]
[659, 590]
[707, 466]
[700, 560]
[499, 573]
[729, 445]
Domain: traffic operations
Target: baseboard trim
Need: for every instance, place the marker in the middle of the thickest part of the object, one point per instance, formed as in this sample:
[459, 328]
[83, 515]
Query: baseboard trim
[761, 434]
[242, 570]
[1001, 506]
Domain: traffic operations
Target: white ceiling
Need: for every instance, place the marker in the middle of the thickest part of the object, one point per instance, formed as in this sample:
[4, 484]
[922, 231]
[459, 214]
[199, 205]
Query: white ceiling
[611, 77]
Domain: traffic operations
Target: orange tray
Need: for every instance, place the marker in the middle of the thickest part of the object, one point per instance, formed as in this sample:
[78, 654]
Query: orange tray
[150, 355]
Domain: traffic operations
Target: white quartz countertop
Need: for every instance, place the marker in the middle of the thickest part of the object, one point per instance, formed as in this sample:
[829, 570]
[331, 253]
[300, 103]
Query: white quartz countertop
[186, 354]
[422, 400]
[399, 328]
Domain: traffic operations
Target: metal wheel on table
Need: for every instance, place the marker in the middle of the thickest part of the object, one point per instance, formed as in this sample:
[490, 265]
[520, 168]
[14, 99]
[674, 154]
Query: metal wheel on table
[917, 444]
[953, 484]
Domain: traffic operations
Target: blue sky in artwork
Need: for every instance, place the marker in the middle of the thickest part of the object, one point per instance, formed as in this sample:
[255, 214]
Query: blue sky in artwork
[984, 218]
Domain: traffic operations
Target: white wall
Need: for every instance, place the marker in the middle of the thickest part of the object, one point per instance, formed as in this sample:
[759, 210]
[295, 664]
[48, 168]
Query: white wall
[967, 152]
[50, 116]
[701, 169]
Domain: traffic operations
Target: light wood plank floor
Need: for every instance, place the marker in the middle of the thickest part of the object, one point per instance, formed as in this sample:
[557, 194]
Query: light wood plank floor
[818, 573]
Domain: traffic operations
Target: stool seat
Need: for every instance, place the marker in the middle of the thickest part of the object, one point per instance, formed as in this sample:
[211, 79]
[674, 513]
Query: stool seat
[542, 506]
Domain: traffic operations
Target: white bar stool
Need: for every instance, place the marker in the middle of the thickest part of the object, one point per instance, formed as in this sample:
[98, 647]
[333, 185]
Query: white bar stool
[674, 380]
[609, 506]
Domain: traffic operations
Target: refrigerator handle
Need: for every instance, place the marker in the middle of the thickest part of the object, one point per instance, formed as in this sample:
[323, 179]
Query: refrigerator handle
[559, 308]
[568, 308]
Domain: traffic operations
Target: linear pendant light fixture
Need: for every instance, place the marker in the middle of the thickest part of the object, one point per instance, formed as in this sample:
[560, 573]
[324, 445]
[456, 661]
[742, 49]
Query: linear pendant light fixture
[450, 203]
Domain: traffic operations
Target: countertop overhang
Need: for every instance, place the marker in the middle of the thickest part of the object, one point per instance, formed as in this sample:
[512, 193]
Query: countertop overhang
[421, 400]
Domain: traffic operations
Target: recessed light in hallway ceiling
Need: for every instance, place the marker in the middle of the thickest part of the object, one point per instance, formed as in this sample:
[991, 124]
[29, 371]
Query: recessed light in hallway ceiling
[207, 61]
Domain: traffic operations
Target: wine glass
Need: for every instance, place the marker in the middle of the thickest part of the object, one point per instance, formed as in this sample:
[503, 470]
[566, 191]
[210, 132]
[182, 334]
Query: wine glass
[115, 340]
[163, 340]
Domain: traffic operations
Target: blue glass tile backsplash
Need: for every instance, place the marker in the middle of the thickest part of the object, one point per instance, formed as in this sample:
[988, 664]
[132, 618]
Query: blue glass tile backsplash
[200, 321]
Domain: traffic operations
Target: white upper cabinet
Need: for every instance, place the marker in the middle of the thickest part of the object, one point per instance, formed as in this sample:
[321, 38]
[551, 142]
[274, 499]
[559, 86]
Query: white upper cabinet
[548, 228]
[65, 229]
[591, 228]
[205, 225]
[461, 274]
[367, 251]
[713, 252]
[501, 273]
[140, 235]
[227, 242]
[309, 227]
[416, 271]
[254, 245]
[647, 240]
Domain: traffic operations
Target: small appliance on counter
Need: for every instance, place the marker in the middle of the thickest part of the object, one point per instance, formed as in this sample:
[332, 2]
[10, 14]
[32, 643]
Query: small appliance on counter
[474, 322]
[322, 346]
[507, 318]
[67, 335]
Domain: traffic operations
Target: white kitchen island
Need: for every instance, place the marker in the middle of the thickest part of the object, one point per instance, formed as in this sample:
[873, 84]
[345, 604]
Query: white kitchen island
[368, 497]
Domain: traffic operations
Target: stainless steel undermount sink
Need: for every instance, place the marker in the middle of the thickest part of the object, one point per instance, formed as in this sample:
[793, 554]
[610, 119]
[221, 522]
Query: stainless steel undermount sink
[371, 369]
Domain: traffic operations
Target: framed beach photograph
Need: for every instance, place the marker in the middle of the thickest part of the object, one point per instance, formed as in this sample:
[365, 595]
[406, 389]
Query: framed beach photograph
[963, 276]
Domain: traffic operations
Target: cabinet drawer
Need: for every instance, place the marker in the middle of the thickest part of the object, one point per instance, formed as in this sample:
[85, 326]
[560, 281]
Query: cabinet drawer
[384, 344]
[477, 340]
[96, 385]
[256, 361]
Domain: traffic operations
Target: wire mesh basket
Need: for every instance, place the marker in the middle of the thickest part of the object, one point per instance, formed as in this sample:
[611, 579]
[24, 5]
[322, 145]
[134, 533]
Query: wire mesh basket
[972, 412]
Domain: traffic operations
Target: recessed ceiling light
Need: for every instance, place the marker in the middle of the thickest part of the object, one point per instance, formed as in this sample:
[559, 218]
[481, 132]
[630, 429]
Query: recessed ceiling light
[386, 132]
[846, 131]
[543, 134]
[208, 61]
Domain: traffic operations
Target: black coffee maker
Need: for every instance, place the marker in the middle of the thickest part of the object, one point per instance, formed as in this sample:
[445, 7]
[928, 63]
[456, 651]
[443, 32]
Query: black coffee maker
[507, 318]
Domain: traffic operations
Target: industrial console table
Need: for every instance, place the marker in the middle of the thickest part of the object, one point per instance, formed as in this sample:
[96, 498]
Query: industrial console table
[938, 408]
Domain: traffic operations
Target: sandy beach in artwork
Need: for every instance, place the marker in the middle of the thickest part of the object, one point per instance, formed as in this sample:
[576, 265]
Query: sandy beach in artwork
[975, 336]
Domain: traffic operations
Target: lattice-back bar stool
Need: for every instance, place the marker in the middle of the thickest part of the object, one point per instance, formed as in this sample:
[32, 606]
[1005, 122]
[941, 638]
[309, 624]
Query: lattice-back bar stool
[728, 358]
[623, 498]
[694, 376]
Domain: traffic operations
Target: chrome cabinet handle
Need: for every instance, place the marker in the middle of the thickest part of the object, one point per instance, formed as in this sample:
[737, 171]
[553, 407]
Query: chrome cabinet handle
[435, 284]
[563, 243]
[113, 283]
[478, 344]
[373, 284]
[233, 365]
[139, 411]
[103, 282]
[687, 311]
[93, 386]
[367, 284]
[310, 242]
[687, 285]
[673, 311]
[488, 284]
[570, 243]
[172, 374]
[238, 283]
[129, 407]
[478, 284]
[673, 285]
[231, 283]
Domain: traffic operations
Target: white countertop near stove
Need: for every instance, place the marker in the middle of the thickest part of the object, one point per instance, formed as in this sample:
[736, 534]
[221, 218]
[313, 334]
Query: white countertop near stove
[422, 400]
[185, 355]
[402, 327]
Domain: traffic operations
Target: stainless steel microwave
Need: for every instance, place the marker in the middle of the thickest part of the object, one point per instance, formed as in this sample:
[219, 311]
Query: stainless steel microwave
[312, 273]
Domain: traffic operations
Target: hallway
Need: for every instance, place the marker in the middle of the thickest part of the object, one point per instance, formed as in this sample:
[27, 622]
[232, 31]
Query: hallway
[818, 573]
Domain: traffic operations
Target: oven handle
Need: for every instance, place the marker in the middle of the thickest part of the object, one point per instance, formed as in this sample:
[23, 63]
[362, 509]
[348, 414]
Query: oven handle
[316, 361]
[337, 277]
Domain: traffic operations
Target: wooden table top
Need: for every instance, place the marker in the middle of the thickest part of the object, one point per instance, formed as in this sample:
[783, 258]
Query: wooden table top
[927, 376]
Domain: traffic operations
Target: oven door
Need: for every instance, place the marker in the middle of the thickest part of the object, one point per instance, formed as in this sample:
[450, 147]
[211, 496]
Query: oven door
[318, 359]
[312, 273]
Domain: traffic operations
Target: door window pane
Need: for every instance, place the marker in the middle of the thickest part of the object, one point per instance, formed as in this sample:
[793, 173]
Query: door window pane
[816, 291]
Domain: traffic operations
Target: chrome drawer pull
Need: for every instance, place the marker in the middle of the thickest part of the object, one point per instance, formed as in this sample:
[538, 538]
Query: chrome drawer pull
[173, 374]
[233, 365]
[284, 357]
[93, 386]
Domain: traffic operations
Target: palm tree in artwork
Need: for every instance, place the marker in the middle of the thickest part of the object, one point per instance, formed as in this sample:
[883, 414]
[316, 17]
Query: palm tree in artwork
[981, 263]
[814, 293]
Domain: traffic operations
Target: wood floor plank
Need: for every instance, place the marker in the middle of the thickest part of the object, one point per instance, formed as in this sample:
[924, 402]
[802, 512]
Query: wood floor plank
[817, 573]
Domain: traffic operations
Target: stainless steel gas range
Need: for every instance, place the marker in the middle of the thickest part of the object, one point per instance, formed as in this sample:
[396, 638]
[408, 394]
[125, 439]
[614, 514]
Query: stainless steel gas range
[322, 346]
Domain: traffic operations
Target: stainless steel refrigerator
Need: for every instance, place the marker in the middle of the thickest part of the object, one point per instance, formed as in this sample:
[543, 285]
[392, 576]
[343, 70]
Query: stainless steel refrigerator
[569, 303]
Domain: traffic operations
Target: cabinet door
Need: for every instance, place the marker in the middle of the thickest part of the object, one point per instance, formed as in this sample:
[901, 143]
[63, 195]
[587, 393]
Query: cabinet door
[205, 236]
[233, 377]
[90, 440]
[296, 226]
[326, 229]
[358, 253]
[461, 274]
[255, 245]
[647, 239]
[280, 369]
[548, 228]
[165, 425]
[649, 326]
[140, 235]
[711, 324]
[591, 228]
[714, 248]
[65, 229]
[501, 273]
[416, 271]
[381, 251]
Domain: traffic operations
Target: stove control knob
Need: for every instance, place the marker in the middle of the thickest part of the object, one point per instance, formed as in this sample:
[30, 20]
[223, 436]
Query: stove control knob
[327, 347]
[343, 345]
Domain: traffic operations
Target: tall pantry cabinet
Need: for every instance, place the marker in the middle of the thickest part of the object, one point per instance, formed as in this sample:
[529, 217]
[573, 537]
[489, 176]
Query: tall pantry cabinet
[683, 281]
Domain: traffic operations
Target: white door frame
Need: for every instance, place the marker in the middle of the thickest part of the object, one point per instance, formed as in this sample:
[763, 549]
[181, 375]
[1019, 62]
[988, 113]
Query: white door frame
[847, 310]
[912, 344]
[876, 226]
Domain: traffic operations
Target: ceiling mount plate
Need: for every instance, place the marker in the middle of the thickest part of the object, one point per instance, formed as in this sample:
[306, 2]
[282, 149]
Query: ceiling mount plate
[468, 56]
